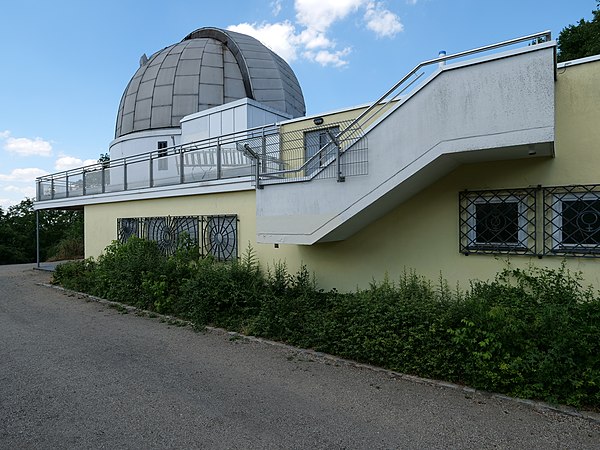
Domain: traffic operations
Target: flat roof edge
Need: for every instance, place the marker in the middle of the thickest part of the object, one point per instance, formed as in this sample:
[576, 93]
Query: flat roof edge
[575, 62]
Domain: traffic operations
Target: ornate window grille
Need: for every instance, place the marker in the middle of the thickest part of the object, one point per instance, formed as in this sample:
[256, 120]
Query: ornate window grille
[572, 220]
[127, 228]
[171, 232]
[498, 221]
[220, 237]
[214, 235]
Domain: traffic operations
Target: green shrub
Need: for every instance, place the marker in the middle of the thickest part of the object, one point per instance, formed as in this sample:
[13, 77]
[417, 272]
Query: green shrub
[531, 333]
[76, 275]
[67, 248]
[123, 268]
[224, 294]
[292, 308]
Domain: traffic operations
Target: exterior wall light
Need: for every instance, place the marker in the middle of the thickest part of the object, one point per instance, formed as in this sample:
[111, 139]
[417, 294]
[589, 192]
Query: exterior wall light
[318, 121]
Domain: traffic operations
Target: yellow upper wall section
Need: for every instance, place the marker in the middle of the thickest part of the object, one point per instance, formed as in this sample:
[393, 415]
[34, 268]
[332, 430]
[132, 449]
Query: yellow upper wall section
[293, 153]
[101, 220]
[577, 124]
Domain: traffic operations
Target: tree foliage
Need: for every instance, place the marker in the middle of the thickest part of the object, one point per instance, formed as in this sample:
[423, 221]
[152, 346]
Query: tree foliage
[580, 40]
[18, 233]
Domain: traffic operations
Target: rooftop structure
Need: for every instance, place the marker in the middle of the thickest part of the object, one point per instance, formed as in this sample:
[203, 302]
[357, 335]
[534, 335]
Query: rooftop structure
[209, 67]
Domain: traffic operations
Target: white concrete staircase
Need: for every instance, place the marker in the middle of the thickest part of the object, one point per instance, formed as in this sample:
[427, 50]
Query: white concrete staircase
[491, 108]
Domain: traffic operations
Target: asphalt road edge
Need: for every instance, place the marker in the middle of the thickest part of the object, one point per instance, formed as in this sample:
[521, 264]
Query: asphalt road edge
[325, 357]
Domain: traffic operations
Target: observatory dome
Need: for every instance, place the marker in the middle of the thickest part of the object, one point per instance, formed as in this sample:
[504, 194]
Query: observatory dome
[209, 67]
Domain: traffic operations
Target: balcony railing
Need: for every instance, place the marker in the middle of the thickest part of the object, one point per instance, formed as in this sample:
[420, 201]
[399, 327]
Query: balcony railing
[216, 158]
[268, 155]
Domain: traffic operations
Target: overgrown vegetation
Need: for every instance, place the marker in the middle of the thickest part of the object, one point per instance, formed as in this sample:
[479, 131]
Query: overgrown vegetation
[61, 234]
[529, 333]
[580, 40]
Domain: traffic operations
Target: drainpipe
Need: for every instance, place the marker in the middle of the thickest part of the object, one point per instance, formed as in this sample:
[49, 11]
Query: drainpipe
[249, 153]
[37, 237]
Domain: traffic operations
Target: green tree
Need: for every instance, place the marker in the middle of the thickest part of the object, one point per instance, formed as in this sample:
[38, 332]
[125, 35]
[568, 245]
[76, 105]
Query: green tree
[18, 232]
[580, 40]
[104, 158]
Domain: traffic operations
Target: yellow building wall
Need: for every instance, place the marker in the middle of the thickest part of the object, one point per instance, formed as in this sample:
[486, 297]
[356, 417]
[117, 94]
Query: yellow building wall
[101, 220]
[422, 233]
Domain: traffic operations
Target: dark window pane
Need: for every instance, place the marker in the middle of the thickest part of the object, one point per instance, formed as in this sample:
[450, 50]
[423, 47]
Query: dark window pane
[581, 222]
[497, 223]
[127, 228]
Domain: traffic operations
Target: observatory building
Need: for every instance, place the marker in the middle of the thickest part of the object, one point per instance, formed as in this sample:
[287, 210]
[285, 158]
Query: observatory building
[471, 159]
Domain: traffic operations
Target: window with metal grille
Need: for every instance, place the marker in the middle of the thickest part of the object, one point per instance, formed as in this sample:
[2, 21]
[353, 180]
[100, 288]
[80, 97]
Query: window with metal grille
[572, 220]
[127, 228]
[170, 233]
[220, 237]
[500, 221]
[316, 142]
[214, 235]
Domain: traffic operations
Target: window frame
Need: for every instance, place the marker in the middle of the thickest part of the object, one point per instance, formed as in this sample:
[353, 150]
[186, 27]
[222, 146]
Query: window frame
[216, 250]
[167, 232]
[554, 221]
[310, 150]
[526, 221]
[521, 209]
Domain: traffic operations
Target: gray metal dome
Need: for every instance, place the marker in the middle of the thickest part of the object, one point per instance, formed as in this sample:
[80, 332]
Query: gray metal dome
[209, 67]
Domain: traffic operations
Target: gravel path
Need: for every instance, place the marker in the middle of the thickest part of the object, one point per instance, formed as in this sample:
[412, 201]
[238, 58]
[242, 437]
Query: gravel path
[77, 374]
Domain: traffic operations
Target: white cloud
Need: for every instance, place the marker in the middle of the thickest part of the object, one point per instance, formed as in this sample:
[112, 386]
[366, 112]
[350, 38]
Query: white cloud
[6, 202]
[276, 7]
[4, 134]
[28, 147]
[411, 2]
[279, 37]
[321, 14]
[70, 162]
[23, 175]
[327, 58]
[382, 21]
[28, 191]
[314, 19]
[313, 39]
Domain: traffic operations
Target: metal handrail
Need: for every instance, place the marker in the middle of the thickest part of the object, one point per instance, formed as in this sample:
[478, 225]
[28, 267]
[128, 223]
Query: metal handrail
[392, 94]
[311, 159]
[546, 35]
[173, 150]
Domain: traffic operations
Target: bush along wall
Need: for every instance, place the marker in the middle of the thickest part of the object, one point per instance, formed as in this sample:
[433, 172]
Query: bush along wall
[528, 333]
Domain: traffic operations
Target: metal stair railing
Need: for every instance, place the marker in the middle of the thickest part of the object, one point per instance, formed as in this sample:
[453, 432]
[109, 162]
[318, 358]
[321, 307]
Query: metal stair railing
[351, 132]
[393, 93]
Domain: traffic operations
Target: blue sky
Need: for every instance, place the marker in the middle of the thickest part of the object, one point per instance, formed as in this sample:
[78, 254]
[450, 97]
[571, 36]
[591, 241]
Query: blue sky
[66, 63]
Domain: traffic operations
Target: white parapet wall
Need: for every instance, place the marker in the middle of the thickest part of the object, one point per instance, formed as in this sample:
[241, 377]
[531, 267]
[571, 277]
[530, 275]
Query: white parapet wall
[496, 107]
